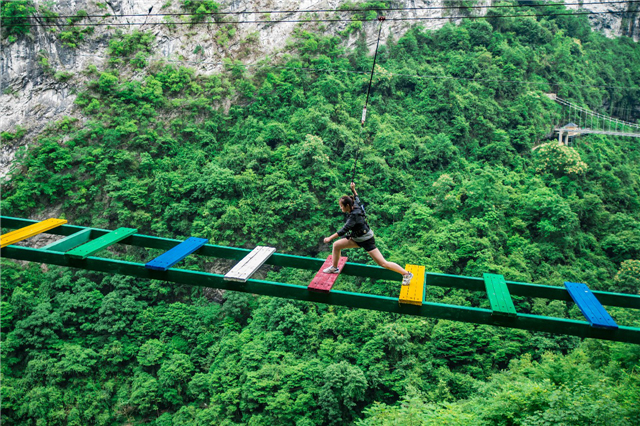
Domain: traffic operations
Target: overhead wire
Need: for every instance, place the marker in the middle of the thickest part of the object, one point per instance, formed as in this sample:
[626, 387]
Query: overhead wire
[307, 20]
[311, 20]
[345, 10]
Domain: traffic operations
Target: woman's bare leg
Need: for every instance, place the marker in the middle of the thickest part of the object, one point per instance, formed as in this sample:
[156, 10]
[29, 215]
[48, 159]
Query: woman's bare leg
[342, 243]
[380, 260]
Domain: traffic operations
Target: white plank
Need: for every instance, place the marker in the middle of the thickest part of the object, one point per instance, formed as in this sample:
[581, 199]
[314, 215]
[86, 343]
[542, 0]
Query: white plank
[249, 264]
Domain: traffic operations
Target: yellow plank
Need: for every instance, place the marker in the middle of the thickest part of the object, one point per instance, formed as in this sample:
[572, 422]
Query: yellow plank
[29, 231]
[413, 293]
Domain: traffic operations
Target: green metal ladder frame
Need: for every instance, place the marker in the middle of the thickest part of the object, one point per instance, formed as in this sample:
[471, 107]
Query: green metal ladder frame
[335, 297]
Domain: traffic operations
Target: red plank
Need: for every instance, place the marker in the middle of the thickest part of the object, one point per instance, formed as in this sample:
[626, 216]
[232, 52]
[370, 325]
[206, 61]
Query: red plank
[323, 282]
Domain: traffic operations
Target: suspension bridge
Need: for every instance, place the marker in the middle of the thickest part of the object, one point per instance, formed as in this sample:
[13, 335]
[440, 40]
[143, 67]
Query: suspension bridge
[79, 245]
[584, 121]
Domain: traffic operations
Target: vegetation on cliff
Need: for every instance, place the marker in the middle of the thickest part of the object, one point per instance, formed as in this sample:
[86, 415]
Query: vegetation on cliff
[259, 156]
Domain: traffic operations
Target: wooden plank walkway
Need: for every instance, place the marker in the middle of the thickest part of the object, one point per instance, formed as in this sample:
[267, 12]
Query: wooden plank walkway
[413, 294]
[499, 296]
[167, 259]
[101, 243]
[29, 231]
[591, 307]
[69, 242]
[249, 264]
[322, 282]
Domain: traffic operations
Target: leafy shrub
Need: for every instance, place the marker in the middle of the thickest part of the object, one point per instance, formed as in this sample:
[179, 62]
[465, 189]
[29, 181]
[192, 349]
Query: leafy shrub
[11, 136]
[559, 159]
[15, 18]
[136, 46]
[63, 76]
[74, 35]
[200, 8]
[628, 277]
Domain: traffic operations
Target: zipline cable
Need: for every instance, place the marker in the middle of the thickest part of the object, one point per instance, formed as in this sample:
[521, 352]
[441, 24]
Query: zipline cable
[375, 56]
[366, 102]
[353, 173]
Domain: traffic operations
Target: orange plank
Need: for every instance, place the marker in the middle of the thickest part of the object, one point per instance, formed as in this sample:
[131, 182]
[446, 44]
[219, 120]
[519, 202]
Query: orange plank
[29, 231]
[414, 292]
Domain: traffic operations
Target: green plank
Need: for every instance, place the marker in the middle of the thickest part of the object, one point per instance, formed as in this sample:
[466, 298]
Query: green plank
[499, 296]
[101, 243]
[67, 243]
[341, 298]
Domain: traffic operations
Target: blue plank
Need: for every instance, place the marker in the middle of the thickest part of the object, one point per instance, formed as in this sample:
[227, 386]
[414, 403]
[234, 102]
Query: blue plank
[176, 254]
[591, 307]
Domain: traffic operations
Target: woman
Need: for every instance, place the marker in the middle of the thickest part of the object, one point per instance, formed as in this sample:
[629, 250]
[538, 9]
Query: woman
[358, 234]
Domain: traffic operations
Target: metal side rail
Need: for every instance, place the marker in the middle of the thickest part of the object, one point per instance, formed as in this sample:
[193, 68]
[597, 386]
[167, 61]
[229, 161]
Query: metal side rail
[341, 298]
[352, 269]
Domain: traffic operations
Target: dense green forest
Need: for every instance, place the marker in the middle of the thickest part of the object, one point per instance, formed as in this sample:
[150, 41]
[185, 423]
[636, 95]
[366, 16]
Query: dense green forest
[260, 155]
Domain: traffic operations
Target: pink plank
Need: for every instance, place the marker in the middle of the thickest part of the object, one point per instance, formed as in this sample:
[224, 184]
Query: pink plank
[323, 282]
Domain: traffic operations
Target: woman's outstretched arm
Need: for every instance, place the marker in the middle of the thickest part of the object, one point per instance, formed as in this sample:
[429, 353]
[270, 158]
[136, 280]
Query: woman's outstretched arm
[328, 239]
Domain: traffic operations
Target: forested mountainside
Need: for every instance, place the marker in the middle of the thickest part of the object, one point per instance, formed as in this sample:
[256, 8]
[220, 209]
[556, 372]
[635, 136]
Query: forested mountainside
[259, 155]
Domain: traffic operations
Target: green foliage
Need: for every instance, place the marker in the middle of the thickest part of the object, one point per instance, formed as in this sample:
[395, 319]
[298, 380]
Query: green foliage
[628, 277]
[43, 61]
[79, 16]
[15, 18]
[557, 390]
[367, 15]
[136, 47]
[413, 410]
[13, 136]
[72, 36]
[559, 160]
[63, 76]
[48, 15]
[446, 169]
[200, 9]
[224, 34]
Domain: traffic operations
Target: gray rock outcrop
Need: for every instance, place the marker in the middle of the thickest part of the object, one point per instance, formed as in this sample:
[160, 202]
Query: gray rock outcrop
[35, 90]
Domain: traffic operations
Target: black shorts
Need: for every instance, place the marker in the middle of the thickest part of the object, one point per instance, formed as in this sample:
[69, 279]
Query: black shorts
[368, 245]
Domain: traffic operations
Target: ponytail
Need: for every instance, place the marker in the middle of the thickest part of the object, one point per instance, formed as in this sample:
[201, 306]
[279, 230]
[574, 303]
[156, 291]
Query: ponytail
[347, 200]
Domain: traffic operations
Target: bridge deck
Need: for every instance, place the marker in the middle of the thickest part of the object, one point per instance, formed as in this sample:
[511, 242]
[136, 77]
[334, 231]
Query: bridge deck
[335, 297]
[598, 132]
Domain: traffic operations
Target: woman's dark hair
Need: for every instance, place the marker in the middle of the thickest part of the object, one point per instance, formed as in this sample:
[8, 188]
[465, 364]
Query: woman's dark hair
[346, 200]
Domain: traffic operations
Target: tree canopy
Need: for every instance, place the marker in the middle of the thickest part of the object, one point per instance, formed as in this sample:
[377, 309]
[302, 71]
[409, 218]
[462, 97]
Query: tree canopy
[260, 156]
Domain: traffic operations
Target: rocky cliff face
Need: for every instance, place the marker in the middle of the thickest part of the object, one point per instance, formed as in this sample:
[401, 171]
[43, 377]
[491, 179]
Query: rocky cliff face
[624, 23]
[40, 71]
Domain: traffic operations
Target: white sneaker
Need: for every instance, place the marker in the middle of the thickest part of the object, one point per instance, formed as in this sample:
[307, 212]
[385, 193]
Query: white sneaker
[406, 278]
[331, 270]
